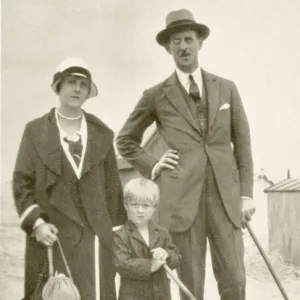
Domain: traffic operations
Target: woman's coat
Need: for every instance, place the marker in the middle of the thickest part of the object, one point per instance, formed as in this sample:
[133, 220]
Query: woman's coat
[40, 191]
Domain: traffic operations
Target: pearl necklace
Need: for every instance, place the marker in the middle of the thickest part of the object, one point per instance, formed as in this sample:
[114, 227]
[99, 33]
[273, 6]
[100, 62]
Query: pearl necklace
[68, 118]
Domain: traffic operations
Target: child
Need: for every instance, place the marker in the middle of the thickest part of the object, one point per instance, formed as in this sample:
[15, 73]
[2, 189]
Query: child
[141, 247]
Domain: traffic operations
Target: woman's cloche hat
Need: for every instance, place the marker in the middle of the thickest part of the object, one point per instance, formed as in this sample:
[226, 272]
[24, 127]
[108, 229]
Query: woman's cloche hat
[179, 20]
[73, 66]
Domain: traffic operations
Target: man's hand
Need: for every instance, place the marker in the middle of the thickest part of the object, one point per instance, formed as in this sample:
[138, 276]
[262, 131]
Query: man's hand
[46, 234]
[169, 160]
[159, 257]
[247, 210]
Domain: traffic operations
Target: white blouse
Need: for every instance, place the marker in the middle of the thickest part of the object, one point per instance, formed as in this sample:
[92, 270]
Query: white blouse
[84, 135]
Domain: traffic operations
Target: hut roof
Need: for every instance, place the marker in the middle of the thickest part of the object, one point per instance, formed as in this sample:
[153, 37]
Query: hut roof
[287, 185]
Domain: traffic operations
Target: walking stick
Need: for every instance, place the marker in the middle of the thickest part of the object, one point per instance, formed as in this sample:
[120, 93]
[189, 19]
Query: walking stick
[267, 261]
[179, 283]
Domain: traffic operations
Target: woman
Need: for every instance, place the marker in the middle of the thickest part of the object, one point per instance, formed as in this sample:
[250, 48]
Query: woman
[66, 185]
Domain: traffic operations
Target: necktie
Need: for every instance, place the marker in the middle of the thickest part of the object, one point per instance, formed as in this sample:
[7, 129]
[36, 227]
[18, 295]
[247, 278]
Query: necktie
[194, 90]
[201, 107]
[75, 149]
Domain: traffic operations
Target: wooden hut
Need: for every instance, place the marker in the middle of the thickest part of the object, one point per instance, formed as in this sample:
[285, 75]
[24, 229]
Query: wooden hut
[284, 219]
[259, 221]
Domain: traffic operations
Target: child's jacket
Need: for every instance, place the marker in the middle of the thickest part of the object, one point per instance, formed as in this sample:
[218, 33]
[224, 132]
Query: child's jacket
[132, 258]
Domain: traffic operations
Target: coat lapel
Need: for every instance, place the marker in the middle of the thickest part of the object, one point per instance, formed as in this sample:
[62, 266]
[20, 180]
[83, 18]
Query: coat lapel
[98, 143]
[134, 233]
[154, 235]
[173, 93]
[47, 143]
[213, 99]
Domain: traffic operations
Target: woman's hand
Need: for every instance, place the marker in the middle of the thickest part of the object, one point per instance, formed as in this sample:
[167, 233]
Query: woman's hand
[46, 234]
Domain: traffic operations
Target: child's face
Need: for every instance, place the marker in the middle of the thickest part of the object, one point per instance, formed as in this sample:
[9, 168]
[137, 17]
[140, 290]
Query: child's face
[140, 212]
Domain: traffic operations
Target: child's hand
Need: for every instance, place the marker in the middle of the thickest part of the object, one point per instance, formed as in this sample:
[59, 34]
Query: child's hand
[159, 253]
[159, 256]
[156, 264]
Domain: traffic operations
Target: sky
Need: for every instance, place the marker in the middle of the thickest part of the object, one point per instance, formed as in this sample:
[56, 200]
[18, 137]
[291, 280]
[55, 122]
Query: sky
[254, 43]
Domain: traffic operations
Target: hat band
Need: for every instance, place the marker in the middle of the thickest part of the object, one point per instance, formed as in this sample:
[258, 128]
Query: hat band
[72, 71]
[181, 22]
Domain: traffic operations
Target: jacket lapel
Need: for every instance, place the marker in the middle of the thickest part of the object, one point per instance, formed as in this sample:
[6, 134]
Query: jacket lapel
[173, 93]
[213, 99]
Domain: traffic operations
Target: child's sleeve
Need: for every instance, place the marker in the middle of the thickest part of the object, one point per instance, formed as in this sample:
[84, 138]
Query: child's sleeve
[174, 257]
[127, 265]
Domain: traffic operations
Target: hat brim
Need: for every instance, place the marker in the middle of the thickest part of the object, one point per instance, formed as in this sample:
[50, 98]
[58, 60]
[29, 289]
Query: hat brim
[93, 90]
[163, 36]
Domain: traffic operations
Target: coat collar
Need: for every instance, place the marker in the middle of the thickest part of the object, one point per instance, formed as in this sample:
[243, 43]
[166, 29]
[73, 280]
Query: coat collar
[47, 143]
[173, 93]
[154, 233]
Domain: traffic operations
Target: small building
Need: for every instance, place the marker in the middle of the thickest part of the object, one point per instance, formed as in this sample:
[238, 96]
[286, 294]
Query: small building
[284, 219]
[259, 221]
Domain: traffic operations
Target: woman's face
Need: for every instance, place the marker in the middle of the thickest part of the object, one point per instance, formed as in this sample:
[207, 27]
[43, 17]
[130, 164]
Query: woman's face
[74, 91]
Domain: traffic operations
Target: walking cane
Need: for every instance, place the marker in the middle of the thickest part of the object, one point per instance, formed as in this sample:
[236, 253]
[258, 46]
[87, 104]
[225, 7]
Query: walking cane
[267, 261]
[179, 283]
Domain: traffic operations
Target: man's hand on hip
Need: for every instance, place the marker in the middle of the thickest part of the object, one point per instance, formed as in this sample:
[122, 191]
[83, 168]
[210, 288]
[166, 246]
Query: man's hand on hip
[169, 160]
[247, 210]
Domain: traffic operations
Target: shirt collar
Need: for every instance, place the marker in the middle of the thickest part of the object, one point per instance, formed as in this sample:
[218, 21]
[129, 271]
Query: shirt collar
[184, 77]
[82, 130]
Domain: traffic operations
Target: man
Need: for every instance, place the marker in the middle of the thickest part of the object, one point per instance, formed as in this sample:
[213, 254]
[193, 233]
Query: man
[206, 176]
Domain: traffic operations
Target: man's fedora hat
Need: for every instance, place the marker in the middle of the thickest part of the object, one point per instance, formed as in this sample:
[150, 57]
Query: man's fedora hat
[178, 20]
[73, 66]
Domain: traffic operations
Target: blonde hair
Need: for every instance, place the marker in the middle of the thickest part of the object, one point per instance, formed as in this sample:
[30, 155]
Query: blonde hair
[141, 190]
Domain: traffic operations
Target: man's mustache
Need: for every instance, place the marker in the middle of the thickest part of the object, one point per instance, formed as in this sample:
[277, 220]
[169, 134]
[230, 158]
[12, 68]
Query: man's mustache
[184, 53]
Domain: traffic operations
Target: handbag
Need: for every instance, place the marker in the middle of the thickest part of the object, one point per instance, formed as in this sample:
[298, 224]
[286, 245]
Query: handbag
[59, 286]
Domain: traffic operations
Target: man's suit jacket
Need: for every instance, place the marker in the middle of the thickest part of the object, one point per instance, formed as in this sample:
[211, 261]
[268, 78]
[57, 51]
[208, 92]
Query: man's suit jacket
[226, 146]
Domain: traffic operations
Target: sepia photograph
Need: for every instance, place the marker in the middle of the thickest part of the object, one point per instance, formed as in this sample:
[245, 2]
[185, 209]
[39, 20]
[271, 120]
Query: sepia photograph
[150, 150]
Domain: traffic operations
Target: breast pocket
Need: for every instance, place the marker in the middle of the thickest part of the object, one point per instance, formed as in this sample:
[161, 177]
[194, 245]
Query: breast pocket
[223, 121]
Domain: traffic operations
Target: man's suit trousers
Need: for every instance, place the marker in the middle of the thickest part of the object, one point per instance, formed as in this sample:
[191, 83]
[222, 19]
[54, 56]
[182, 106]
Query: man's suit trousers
[226, 246]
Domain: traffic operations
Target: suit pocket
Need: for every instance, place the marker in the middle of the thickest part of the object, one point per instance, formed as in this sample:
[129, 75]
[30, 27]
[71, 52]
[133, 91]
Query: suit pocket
[224, 114]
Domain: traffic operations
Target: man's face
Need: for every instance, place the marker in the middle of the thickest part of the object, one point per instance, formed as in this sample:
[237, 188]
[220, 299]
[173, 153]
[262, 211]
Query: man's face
[184, 47]
[74, 91]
